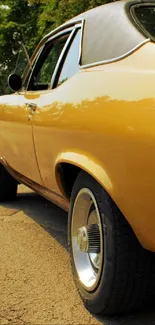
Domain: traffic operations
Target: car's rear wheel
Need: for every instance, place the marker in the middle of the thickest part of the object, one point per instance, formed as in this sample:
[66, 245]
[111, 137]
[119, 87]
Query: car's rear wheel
[111, 269]
[8, 185]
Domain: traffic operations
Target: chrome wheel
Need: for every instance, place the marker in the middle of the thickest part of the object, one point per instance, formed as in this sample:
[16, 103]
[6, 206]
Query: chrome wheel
[87, 239]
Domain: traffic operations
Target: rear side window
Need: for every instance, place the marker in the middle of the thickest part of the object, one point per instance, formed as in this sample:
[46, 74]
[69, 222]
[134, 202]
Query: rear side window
[145, 16]
[71, 63]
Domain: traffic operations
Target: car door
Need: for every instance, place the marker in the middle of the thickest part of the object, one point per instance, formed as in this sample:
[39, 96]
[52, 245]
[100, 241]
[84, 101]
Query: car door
[47, 134]
[17, 135]
[17, 143]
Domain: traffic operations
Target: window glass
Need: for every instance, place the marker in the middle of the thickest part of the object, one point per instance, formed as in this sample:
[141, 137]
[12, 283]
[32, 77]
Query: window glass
[71, 63]
[146, 17]
[46, 65]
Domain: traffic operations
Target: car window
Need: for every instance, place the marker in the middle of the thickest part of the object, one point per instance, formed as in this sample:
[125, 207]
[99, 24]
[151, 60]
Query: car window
[71, 63]
[46, 64]
[146, 17]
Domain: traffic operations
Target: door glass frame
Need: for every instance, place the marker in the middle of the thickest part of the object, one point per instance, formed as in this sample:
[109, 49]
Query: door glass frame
[71, 31]
[63, 55]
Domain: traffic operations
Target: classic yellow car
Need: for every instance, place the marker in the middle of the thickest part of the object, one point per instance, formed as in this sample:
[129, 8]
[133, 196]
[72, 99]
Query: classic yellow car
[80, 130]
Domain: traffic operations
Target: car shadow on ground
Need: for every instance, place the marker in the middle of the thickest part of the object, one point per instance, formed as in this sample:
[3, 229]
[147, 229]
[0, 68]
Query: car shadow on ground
[54, 221]
[44, 213]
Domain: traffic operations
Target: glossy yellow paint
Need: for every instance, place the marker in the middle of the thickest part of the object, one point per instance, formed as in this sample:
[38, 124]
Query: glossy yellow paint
[16, 137]
[102, 120]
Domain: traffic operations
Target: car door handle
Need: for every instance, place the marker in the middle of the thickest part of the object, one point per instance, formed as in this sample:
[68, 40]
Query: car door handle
[31, 107]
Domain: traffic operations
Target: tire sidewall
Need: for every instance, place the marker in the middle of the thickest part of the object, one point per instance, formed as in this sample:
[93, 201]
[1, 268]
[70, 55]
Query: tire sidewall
[97, 300]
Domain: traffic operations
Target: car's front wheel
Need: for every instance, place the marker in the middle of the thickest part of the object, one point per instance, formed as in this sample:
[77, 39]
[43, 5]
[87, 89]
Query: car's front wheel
[8, 185]
[110, 268]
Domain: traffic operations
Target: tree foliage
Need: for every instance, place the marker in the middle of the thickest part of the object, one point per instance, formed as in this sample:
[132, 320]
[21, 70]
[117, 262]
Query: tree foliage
[18, 23]
[27, 21]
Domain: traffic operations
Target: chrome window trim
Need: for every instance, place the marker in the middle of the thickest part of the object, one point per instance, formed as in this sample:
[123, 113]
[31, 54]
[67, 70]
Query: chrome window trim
[56, 33]
[42, 48]
[82, 32]
[63, 56]
[70, 24]
[117, 58]
[65, 31]
[73, 26]
[72, 29]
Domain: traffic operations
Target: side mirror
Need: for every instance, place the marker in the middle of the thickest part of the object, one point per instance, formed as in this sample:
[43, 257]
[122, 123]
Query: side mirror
[15, 82]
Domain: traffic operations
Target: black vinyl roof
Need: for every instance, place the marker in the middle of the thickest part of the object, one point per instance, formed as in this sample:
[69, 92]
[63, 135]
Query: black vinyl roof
[109, 32]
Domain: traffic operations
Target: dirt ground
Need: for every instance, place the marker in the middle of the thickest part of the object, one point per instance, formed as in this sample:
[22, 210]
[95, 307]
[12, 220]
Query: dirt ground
[36, 285]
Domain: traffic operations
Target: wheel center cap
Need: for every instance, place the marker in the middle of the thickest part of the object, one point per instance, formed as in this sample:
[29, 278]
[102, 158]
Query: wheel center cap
[82, 239]
[88, 239]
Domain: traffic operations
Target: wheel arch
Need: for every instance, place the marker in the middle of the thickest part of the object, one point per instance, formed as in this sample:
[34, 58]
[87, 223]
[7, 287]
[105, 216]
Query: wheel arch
[68, 166]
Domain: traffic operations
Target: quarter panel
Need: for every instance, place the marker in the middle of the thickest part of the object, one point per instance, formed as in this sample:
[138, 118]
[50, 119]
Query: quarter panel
[106, 115]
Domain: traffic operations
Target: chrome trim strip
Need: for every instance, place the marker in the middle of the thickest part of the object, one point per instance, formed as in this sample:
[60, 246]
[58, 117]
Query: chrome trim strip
[80, 49]
[56, 32]
[42, 48]
[117, 58]
[61, 57]
[72, 29]
[63, 32]
[72, 23]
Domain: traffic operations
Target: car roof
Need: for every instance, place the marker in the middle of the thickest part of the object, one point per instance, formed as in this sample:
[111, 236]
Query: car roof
[109, 32]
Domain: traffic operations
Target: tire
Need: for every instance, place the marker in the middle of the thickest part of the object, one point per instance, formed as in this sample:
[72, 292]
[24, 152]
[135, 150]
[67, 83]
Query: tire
[8, 185]
[123, 284]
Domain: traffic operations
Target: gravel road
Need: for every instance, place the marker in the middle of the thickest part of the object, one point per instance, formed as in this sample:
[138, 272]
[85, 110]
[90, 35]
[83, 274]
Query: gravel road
[36, 285]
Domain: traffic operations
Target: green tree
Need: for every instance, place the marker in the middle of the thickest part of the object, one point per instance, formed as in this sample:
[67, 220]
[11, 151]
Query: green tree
[55, 12]
[18, 23]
